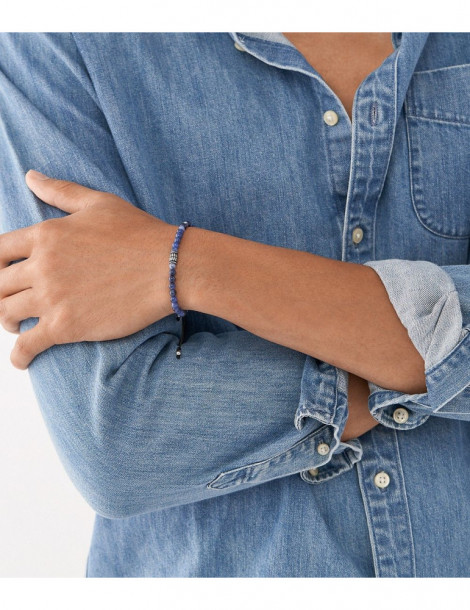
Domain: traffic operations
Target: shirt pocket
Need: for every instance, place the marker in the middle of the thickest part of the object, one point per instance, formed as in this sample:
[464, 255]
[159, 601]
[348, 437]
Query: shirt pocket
[437, 109]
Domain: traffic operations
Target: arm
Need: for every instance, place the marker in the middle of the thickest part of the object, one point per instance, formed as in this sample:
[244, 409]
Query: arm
[136, 429]
[402, 325]
[335, 311]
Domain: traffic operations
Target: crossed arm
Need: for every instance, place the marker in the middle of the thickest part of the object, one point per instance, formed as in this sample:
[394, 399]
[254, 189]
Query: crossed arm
[335, 311]
[138, 430]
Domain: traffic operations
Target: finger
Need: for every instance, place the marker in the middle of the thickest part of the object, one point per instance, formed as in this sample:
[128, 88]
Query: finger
[16, 245]
[15, 278]
[16, 308]
[29, 344]
[68, 196]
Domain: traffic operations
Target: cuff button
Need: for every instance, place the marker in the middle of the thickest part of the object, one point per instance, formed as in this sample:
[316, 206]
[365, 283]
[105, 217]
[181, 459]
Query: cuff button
[323, 448]
[400, 415]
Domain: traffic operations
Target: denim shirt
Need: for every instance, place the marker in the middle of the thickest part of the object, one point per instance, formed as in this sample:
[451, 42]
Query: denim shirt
[228, 461]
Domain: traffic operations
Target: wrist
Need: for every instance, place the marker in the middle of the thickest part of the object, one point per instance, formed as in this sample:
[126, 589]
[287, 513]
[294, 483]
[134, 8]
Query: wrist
[359, 418]
[195, 275]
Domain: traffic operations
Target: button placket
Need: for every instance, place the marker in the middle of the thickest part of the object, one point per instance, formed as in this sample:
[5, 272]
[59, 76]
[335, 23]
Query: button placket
[374, 122]
[382, 485]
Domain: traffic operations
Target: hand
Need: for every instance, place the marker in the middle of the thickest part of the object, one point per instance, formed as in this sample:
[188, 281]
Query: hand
[359, 419]
[99, 273]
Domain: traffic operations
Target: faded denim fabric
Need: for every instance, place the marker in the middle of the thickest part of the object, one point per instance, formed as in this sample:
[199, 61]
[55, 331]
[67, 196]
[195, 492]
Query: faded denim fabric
[212, 465]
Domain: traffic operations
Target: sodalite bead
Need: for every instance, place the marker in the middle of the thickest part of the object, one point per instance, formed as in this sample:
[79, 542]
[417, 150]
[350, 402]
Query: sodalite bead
[173, 259]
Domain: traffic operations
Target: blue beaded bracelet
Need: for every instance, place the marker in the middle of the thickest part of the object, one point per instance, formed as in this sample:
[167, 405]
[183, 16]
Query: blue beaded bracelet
[173, 259]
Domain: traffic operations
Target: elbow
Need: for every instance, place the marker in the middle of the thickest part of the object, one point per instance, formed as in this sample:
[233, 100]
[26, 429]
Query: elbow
[109, 503]
[114, 490]
[118, 492]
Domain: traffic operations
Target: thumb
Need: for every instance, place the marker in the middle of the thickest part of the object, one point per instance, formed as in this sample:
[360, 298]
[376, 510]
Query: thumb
[68, 196]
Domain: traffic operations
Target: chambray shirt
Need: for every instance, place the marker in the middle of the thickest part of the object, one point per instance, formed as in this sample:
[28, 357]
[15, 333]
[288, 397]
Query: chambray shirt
[228, 461]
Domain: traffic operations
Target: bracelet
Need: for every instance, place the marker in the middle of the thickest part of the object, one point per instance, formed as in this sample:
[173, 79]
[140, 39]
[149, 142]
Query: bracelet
[173, 259]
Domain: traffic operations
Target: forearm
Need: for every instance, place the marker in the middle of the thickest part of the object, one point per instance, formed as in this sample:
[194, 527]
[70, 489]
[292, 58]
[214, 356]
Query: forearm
[338, 312]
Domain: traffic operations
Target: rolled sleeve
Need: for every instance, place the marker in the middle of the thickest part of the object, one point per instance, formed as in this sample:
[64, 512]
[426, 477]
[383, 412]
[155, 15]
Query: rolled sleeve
[324, 399]
[432, 303]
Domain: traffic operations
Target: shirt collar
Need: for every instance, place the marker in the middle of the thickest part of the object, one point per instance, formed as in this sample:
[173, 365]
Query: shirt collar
[281, 39]
[275, 49]
[268, 36]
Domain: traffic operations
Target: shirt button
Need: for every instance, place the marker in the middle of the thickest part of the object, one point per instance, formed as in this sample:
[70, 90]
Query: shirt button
[357, 235]
[382, 479]
[400, 415]
[330, 117]
[313, 471]
[323, 448]
[238, 47]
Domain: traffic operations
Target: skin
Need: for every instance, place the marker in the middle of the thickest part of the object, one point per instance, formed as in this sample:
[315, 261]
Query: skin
[338, 312]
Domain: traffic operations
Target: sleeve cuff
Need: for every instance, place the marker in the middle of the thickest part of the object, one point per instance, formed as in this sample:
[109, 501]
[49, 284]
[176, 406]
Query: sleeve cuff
[427, 303]
[324, 398]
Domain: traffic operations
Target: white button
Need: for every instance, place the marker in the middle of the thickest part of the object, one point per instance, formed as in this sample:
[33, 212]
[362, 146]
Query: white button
[323, 448]
[400, 415]
[357, 235]
[238, 47]
[382, 479]
[330, 117]
[313, 471]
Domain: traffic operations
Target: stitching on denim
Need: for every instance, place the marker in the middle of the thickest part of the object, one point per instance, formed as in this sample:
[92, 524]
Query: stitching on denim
[370, 528]
[412, 181]
[453, 350]
[269, 43]
[442, 69]
[255, 468]
[393, 124]
[464, 123]
[405, 499]
[384, 418]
